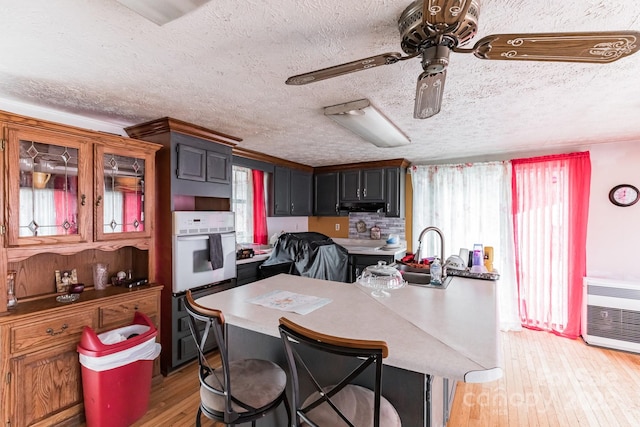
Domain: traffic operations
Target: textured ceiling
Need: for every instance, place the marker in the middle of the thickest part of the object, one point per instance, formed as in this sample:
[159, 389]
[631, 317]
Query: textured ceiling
[223, 66]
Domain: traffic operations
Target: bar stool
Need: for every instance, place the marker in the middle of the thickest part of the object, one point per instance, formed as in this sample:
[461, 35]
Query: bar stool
[338, 403]
[239, 391]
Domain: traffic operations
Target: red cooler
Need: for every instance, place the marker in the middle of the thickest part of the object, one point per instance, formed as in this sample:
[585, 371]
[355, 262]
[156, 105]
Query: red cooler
[116, 372]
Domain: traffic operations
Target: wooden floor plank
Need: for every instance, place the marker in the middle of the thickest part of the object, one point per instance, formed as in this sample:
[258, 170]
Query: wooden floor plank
[548, 381]
[571, 384]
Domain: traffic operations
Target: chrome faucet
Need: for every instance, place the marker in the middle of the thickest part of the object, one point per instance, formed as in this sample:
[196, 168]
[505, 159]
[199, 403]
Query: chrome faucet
[416, 256]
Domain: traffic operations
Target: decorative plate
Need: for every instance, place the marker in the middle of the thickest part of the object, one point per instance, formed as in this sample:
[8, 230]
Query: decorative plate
[390, 247]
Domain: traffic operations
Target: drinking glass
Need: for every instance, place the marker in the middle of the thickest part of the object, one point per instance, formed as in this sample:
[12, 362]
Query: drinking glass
[100, 275]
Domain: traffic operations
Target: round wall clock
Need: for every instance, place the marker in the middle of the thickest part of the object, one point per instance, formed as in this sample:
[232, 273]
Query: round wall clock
[624, 195]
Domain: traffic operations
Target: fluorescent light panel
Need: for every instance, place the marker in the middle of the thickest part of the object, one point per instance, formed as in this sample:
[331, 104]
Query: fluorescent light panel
[162, 11]
[365, 120]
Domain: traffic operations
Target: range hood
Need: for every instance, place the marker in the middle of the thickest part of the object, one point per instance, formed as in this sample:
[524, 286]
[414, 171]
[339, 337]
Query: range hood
[346, 207]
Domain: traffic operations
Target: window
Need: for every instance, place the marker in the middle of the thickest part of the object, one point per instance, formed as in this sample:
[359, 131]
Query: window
[250, 210]
[470, 203]
[550, 212]
[242, 204]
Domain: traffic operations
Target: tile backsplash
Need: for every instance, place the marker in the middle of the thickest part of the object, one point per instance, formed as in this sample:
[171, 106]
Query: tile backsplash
[387, 225]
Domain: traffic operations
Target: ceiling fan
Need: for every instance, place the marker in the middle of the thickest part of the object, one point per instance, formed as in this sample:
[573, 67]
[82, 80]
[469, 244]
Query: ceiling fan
[434, 28]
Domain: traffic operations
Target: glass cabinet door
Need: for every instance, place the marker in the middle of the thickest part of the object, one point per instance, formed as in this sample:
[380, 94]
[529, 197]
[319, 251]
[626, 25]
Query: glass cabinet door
[120, 193]
[47, 200]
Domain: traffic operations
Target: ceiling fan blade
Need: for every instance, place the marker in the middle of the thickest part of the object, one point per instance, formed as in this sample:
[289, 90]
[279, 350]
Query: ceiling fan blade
[597, 47]
[429, 91]
[448, 12]
[349, 67]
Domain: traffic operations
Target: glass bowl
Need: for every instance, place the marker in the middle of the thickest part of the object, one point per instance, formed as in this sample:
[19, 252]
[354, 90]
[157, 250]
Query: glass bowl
[382, 278]
[66, 298]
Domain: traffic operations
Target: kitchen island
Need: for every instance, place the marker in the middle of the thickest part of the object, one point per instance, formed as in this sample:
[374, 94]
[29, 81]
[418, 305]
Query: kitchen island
[435, 336]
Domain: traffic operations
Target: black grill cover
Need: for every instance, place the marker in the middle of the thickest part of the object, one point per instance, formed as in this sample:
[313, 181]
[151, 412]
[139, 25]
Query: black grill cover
[308, 255]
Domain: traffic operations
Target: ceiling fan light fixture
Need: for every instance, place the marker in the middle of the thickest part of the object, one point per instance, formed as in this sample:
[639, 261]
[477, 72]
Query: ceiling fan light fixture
[363, 119]
[162, 11]
[435, 59]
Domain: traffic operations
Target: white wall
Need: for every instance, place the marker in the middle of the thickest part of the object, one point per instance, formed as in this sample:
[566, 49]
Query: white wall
[613, 234]
[289, 224]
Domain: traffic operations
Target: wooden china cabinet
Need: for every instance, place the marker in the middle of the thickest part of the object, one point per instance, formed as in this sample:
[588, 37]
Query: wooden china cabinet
[71, 198]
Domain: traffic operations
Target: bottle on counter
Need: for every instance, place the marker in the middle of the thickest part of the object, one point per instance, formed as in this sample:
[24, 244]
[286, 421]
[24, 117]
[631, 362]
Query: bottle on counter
[478, 255]
[478, 259]
[436, 272]
[488, 258]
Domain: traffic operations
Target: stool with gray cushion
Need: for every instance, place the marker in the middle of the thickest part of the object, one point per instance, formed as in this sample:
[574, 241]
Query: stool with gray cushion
[239, 391]
[340, 403]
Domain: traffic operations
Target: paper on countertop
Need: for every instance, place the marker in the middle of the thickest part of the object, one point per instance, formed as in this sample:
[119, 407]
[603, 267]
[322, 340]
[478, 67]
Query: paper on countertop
[290, 301]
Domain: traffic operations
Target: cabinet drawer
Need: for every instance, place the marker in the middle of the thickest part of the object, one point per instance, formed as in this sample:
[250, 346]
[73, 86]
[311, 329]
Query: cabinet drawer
[50, 332]
[122, 313]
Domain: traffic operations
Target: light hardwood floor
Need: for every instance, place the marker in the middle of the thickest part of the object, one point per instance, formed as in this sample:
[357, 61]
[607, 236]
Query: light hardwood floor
[548, 381]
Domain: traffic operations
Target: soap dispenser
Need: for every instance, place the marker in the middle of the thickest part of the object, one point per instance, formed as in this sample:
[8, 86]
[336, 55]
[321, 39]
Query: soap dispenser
[436, 272]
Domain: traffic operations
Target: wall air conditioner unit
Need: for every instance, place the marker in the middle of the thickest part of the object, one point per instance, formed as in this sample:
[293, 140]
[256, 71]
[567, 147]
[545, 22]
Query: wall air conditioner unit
[611, 314]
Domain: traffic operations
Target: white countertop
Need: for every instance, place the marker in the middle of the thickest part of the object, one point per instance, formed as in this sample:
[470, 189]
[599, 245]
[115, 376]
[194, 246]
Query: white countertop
[452, 333]
[370, 247]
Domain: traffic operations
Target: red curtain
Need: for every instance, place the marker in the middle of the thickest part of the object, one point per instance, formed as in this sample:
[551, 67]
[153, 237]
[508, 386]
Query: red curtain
[132, 207]
[66, 204]
[550, 213]
[259, 210]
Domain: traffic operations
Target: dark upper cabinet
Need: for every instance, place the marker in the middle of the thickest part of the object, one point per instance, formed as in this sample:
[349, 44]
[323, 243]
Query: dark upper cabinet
[395, 189]
[373, 185]
[362, 185]
[292, 190]
[219, 167]
[301, 191]
[326, 194]
[208, 165]
[350, 186]
[281, 191]
[192, 163]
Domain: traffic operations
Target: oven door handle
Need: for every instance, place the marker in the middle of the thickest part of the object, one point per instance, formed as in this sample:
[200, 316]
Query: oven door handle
[199, 237]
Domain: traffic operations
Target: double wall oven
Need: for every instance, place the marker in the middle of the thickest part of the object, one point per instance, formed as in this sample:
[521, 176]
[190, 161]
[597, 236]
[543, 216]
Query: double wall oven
[197, 237]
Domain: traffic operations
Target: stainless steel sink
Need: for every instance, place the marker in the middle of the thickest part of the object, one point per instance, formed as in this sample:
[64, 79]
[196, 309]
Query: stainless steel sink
[414, 277]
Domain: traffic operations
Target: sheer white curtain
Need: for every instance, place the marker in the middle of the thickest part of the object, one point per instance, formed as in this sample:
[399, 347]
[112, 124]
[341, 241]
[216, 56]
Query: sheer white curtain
[113, 211]
[242, 203]
[470, 203]
[37, 206]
